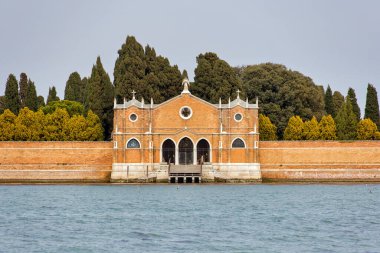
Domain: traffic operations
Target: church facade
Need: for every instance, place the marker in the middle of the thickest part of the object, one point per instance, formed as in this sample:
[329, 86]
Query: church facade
[185, 140]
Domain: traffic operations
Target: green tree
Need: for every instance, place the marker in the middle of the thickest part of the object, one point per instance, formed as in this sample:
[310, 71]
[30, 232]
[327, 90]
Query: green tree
[294, 129]
[29, 125]
[23, 85]
[31, 100]
[55, 122]
[94, 130]
[72, 107]
[74, 88]
[12, 99]
[354, 102]
[184, 75]
[366, 130]
[7, 125]
[151, 76]
[346, 122]
[100, 96]
[282, 93]
[329, 104]
[40, 101]
[267, 129]
[52, 96]
[2, 104]
[311, 130]
[372, 105]
[129, 70]
[338, 100]
[214, 79]
[327, 128]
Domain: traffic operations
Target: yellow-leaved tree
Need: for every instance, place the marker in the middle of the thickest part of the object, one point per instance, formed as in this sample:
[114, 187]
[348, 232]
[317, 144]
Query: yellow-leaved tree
[7, 125]
[54, 126]
[294, 129]
[366, 129]
[29, 125]
[327, 128]
[311, 129]
[267, 129]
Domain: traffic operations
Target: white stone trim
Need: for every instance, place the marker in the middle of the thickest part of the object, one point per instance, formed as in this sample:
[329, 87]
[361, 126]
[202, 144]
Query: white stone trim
[191, 112]
[129, 117]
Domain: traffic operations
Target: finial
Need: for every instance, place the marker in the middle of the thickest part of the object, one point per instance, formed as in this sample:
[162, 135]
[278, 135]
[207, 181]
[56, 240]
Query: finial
[151, 102]
[257, 101]
[186, 85]
[114, 102]
[220, 102]
[229, 102]
[133, 94]
[124, 100]
[238, 93]
[246, 102]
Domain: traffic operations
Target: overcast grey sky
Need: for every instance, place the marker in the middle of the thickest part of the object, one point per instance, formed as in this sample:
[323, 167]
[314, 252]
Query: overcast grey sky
[334, 42]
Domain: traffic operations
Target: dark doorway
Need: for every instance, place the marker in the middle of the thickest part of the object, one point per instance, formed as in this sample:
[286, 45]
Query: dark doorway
[185, 151]
[189, 180]
[181, 180]
[203, 150]
[168, 151]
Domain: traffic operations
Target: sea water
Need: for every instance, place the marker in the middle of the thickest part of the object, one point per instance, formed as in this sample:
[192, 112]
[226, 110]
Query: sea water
[190, 218]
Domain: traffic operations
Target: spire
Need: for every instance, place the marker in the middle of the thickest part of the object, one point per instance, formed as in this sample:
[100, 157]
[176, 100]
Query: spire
[186, 85]
[220, 102]
[246, 102]
[151, 102]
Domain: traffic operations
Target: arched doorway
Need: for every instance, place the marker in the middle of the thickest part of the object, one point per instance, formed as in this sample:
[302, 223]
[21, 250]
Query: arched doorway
[185, 151]
[203, 149]
[168, 151]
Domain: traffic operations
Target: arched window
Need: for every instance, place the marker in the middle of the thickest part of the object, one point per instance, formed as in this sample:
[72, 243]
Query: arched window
[133, 143]
[238, 143]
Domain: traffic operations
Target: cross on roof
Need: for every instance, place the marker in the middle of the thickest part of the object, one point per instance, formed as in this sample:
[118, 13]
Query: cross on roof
[133, 94]
[238, 93]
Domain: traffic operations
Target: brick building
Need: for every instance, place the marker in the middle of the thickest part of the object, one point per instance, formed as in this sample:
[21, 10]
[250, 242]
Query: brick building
[185, 139]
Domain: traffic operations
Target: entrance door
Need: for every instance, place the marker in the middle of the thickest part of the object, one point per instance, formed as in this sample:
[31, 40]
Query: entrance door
[168, 151]
[185, 151]
[203, 150]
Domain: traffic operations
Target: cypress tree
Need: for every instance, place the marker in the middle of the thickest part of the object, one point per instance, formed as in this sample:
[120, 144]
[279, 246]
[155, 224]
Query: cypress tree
[23, 89]
[52, 95]
[40, 101]
[346, 122]
[129, 69]
[354, 102]
[267, 129]
[31, 100]
[372, 105]
[184, 75]
[145, 72]
[12, 99]
[100, 96]
[338, 101]
[214, 79]
[74, 88]
[329, 104]
[83, 91]
[294, 130]
[327, 128]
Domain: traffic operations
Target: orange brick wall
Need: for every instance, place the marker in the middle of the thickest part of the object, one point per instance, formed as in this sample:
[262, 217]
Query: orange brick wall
[55, 161]
[166, 123]
[320, 161]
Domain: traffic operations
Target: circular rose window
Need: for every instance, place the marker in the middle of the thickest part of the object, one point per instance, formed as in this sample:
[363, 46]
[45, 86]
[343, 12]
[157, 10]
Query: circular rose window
[238, 117]
[133, 117]
[185, 112]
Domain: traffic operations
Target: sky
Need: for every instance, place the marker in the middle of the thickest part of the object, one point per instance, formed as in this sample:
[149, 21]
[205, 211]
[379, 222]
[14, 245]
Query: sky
[334, 42]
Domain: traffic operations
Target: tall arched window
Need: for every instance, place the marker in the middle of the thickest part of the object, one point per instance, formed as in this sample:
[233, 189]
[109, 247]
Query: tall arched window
[133, 143]
[238, 143]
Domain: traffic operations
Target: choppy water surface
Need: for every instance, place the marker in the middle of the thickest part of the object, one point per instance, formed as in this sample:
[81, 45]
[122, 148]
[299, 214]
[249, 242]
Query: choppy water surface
[198, 218]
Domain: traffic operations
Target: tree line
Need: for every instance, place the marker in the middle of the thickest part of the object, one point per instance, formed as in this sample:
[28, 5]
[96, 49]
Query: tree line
[59, 121]
[283, 93]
